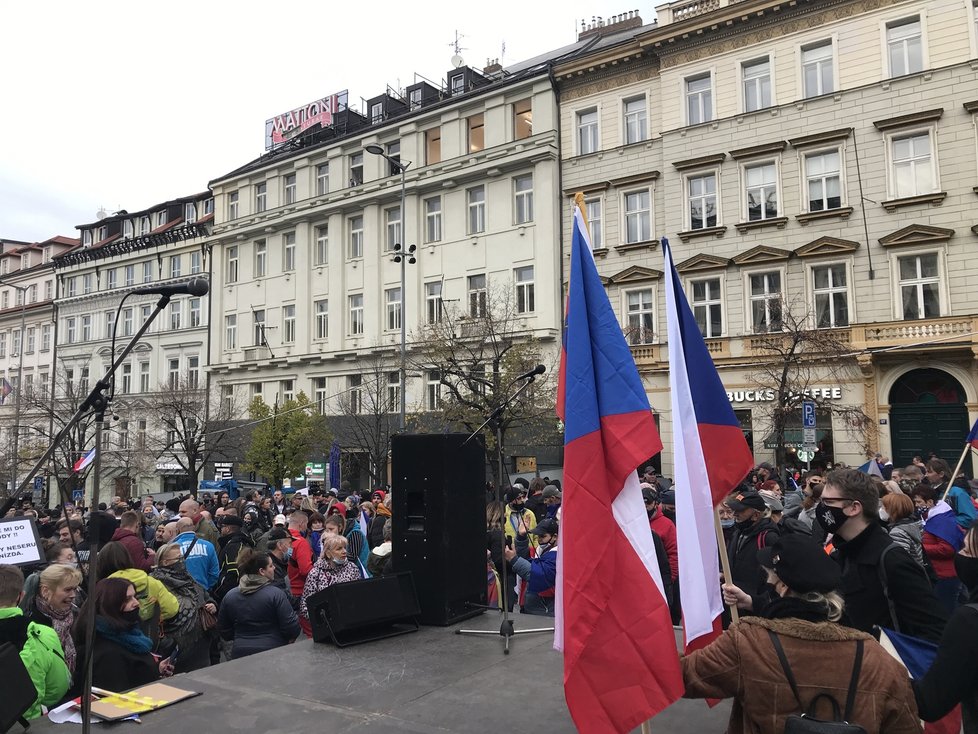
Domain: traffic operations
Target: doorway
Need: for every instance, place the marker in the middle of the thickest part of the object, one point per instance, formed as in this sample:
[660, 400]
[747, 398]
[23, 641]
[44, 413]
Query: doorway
[928, 416]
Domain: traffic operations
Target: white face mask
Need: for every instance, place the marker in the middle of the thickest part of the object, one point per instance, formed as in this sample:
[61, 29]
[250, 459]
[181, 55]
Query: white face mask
[884, 515]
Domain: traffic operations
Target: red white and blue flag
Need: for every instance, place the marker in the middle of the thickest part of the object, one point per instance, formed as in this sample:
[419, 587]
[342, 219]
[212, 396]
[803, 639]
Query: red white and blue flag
[5, 389]
[87, 458]
[972, 439]
[711, 459]
[612, 620]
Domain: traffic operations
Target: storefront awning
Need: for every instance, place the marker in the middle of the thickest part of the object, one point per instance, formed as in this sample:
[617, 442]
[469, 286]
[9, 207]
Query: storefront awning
[793, 438]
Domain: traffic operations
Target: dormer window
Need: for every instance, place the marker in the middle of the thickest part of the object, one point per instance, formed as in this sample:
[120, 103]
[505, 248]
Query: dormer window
[161, 218]
[144, 225]
[46, 258]
[377, 112]
[415, 99]
[86, 237]
[127, 229]
[457, 84]
[103, 232]
[208, 206]
[25, 261]
[189, 212]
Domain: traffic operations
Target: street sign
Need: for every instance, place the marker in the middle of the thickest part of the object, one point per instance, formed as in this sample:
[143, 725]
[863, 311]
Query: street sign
[808, 439]
[38, 488]
[315, 471]
[808, 414]
[78, 496]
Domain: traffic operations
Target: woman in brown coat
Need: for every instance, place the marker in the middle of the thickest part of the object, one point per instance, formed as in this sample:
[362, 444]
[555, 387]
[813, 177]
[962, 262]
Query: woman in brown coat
[744, 664]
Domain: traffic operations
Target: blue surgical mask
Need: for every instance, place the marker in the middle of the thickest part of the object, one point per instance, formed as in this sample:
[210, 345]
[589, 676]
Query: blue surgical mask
[340, 561]
[727, 522]
[288, 554]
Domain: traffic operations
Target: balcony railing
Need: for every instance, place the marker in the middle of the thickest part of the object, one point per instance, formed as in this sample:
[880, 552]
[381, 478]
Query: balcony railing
[685, 9]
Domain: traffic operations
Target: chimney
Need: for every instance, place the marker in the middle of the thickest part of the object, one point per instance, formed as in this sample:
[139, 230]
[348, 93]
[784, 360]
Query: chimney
[493, 68]
[602, 27]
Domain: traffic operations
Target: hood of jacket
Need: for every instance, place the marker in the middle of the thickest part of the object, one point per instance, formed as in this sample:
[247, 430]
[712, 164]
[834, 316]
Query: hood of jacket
[13, 626]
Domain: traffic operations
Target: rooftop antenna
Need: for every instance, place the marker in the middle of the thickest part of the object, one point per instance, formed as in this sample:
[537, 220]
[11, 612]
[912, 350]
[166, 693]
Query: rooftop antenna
[502, 56]
[456, 46]
[101, 213]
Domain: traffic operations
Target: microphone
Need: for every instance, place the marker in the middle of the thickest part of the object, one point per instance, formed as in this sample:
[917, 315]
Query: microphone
[193, 287]
[538, 370]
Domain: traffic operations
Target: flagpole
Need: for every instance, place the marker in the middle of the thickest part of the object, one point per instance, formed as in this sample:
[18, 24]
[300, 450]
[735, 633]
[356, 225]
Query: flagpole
[950, 479]
[724, 560]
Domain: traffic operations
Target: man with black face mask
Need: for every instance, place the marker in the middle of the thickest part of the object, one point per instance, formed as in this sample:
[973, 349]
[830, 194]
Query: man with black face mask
[752, 532]
[849, 511]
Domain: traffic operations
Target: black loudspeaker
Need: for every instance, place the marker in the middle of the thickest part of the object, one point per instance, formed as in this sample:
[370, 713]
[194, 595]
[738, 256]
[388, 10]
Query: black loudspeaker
[439, 523]
[361, 611]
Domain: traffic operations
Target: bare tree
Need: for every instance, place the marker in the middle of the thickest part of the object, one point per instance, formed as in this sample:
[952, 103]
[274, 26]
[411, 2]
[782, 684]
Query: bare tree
[792, 360]
[368, 413]
[470, 358]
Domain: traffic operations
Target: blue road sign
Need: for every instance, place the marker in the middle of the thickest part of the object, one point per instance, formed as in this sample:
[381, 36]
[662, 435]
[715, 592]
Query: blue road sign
[38, 484]
[808, 414]
[78, 495]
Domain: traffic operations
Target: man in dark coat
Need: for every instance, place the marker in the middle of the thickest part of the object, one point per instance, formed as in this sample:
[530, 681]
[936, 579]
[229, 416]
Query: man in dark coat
[752, 532]
[233, 539]
[849, 510]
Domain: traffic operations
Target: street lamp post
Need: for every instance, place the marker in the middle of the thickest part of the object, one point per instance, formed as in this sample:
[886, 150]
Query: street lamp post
[404, 256]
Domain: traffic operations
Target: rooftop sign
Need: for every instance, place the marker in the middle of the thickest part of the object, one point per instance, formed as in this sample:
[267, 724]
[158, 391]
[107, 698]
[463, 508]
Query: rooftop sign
[289, 124]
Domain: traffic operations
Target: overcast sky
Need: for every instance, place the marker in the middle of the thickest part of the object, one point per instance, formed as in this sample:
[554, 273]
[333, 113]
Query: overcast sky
[127, 104]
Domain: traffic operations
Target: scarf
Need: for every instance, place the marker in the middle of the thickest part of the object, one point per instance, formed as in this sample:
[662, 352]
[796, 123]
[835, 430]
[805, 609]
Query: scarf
[184, 627]
[251, 582]
[61, 621]
[131, 638]
[793, 607]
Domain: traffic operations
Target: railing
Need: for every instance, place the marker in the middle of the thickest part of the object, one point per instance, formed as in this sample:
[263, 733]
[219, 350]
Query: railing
[686, 9]
[918, 331]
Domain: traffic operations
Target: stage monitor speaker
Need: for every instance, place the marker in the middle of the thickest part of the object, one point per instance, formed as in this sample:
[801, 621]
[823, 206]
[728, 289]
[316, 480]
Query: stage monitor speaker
[439, 523]
[365, 610]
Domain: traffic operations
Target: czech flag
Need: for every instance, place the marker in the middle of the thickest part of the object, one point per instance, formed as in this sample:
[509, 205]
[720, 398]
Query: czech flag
[86, 459]
[972, 439]
[711, 459]
[6, 388]
[621, 666]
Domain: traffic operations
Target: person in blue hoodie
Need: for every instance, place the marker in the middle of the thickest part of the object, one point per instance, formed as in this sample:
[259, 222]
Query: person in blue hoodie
[201, 557]
[540, 572]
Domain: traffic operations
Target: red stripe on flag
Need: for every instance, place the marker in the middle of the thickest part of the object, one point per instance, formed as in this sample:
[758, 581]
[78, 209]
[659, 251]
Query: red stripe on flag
[727, 457]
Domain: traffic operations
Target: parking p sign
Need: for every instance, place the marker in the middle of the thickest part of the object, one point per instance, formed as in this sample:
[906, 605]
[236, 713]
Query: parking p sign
[808, 414]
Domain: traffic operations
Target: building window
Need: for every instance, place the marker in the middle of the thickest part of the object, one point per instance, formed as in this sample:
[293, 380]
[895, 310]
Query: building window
[70, 331]
[144, 377]
[175, 266]
[86, 328]
[322, 179]
[231, 331]
[31, 340]
[45, 337]
[765, 302]
[523, 192]
[319, 393]
[126, 378]
[208, 206]
[393, 391]
[175, 312]
[354, 385]
[432, 146]
[920, 286]
[173, 373]
[912, 165]
[356, 314]
[432, 219]
[433, 389]
[127, 230]
[15, 343]
[592, 209]
[817, 73]
[87, 281]
[189, 212]
[109, 317]
[127, 321]
[32, 293]
[476, 201]
[699, 99]
[587, 131]
[231, 270]
[130, 275]
[394, 153]
[761, 191]
[144, 311]
[322, 244]
[288, 252]
[904, 46]
[636, 120]
[356, 169]
[144, 225]
[708, 307]
[258, 327]
[640, 314]
[476, 133]
[376, 113]
[322, 319]
[701, 192]
[160, 221]
[194, 312]
[823, 179]
[392, 297]
[195, 260]
[477, 296]
[638, 216]
[193, 372]
[525, 297]
[3, 344]
[148, 271]
[261, 197]
[433, 302]
[233, 205]
[356, 237]
[757, 84]
[287, 389]
[831, 296]
[288, 324]
[392, 223]
[289, 189]
[72, 285]
[261, 258]
[522, 119]
[414, 99]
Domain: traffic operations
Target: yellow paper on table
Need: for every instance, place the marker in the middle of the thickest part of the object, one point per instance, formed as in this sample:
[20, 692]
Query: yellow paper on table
[114, 706]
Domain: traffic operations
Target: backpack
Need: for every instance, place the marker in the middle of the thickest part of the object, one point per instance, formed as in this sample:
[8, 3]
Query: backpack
[19, 691]
[807, 723]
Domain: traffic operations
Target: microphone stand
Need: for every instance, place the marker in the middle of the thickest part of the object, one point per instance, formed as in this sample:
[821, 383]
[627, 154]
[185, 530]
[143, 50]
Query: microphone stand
[506, 629]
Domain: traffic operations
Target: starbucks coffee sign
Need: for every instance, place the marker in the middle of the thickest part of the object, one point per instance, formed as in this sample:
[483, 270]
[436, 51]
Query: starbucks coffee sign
[766, 395]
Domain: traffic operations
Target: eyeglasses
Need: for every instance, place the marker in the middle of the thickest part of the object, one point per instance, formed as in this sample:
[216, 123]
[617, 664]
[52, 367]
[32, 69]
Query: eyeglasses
[829, 500]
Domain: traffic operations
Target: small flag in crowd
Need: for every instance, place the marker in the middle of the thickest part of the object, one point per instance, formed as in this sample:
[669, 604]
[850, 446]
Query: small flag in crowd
[612, 621]
[917, 656]
[972, 439]
[711, 458]
[5, 389]
[87, 458]
[871, 468]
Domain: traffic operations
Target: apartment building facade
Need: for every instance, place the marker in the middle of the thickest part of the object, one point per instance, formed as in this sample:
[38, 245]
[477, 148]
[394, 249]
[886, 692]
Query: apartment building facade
[812, 163]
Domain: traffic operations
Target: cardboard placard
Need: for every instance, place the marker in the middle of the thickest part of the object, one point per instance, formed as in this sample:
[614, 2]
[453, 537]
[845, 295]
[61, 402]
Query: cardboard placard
[20, 543]
[115, 706]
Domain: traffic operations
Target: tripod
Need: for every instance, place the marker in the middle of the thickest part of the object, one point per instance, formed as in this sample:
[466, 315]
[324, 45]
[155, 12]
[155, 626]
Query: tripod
[506, 630]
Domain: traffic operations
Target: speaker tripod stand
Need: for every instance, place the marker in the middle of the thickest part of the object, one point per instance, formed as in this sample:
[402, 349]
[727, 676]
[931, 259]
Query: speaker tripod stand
[507, 629]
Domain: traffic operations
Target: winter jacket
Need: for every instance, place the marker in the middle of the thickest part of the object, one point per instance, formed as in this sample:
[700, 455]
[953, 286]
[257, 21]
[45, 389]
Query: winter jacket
[259, 621]
[207, 530]
[357, 550]
[953, 676]
[227, 560]
[666, 530]
[150, 592]
[743, 664]
[323, 575]
[202, 561]
[378, 558]
[117, 669]
[918, 611]
[42, 655]
[375, 535]
[300, 564]
[962, 505]
[906, 533]
[541, 575]
[940, 553]
[137, 549]
[742, 551]
[512, 523]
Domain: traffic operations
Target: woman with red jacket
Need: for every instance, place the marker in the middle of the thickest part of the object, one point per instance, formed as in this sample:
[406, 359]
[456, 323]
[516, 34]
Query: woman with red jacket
[942, 538]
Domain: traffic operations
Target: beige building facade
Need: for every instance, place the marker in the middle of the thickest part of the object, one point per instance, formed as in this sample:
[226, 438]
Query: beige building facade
[814, 166]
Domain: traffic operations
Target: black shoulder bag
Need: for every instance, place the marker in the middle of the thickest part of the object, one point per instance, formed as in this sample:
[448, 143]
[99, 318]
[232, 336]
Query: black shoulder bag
[806, 723]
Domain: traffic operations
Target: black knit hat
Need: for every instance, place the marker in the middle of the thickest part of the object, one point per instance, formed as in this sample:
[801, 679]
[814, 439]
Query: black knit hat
[801, 563]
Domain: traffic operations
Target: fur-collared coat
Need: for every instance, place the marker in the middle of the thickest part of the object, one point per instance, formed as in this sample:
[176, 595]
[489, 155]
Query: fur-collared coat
[743, 664]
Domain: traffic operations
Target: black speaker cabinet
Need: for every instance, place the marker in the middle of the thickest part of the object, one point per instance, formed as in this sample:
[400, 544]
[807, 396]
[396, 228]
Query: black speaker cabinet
[361, 611]
[439, 524]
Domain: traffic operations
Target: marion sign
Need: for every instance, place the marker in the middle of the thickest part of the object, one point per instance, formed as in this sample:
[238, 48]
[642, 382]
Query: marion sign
[289, 124]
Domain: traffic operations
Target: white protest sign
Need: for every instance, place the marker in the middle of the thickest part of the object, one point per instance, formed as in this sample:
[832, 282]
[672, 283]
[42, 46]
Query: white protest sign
[20, 542]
